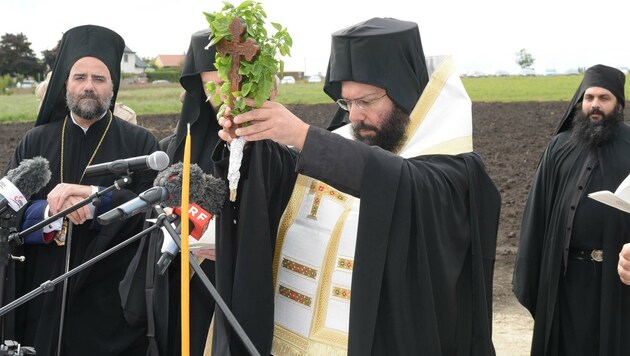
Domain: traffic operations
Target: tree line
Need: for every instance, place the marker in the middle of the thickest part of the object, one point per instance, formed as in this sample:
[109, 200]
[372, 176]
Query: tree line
[18, 60]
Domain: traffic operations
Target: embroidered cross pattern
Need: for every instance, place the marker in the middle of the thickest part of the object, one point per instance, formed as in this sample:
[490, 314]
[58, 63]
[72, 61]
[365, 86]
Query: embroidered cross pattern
[236, 49]
[345, 263]
[295, 296]
[342, 293]
[322, 190]
[299, 268]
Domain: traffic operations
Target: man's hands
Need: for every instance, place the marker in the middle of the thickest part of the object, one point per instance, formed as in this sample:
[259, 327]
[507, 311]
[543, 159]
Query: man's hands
[271, 121]
[66, 195]
[209, 254]
[623, 267]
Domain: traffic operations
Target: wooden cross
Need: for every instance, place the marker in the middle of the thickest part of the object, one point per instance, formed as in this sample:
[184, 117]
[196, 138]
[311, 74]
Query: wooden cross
[236, 48]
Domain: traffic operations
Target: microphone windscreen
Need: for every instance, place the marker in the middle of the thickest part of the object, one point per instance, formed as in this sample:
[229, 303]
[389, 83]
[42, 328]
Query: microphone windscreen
[30, 176]
[171, 179]
[158, 160]
[215, 193]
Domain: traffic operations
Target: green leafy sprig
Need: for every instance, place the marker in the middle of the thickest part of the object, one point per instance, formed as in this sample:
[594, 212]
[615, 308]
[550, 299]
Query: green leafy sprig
[259, 74]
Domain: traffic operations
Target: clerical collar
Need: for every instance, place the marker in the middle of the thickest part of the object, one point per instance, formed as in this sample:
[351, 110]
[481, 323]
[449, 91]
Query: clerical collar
[82, 128]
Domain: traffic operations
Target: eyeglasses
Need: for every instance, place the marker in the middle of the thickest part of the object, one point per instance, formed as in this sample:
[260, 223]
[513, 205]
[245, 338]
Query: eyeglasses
[361, 103]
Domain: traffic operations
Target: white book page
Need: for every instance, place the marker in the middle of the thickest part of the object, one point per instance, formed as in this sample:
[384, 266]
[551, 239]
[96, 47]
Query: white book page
[611, 199]
[620, 199]
[623, 191]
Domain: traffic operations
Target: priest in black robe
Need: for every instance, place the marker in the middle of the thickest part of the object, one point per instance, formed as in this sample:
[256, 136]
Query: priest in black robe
[159, 294]
[426, 235]
[566, 266]
[75, 128]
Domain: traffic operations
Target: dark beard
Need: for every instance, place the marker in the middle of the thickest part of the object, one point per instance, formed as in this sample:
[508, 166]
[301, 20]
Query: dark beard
[592, 134]
[88, 110]
[390, 136]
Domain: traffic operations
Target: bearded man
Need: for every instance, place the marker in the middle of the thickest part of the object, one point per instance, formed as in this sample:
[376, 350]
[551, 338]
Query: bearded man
[387, 239]
[75, 128]
[566, 267]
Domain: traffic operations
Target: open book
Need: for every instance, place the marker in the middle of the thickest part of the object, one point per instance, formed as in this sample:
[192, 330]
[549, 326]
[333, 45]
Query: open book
[620, 199]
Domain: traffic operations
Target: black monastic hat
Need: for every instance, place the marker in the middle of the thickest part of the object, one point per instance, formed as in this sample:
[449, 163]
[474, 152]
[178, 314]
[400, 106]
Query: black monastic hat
[598, 75]
[196, 111]
[199, 58]
[383, 52]
[76, 43]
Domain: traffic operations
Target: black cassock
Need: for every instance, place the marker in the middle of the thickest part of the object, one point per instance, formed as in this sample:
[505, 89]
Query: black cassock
[154, 299]
[544, 273]
[94, 323]
[422, 279]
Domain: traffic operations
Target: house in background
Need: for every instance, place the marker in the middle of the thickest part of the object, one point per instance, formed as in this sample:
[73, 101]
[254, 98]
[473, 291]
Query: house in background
[131, 63]
[169, 60]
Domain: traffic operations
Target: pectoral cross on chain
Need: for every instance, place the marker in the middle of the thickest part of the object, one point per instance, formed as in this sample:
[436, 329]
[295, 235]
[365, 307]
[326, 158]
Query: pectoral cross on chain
[237, 49]
[321, 190]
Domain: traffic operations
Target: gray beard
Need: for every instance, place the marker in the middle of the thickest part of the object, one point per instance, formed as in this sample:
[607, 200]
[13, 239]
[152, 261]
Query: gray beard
[88, 110]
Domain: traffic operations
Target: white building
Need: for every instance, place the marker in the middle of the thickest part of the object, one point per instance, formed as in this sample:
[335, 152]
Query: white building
[131, 63]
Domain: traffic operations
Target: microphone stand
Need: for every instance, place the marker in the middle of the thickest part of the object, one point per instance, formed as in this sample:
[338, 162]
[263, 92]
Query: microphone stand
[95, 199]
[202, 275]
[18, 237]
[64, 291]
[161, 221]
[7, 225]
[49, 285]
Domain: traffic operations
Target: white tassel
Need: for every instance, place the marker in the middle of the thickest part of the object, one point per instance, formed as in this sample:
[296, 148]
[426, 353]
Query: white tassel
[234, 173]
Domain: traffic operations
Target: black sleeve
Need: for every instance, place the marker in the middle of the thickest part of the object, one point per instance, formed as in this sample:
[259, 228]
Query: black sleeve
[334, 159]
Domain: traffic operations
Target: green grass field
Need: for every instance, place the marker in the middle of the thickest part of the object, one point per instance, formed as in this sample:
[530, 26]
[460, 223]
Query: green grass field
[164, 99]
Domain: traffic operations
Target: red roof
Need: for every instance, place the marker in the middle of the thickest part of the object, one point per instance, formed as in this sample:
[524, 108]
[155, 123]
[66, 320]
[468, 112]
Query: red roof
[170, 60]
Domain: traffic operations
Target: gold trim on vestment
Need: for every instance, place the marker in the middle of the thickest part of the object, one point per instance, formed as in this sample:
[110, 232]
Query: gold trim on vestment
[285, 341]
[288, 218]
[289, 338]
[460, 144]
[289, 344]
[300, 268]
[207, 350]
[341, 292]
[294, 295]
[345, 263]
[319, 332]
[428, 98]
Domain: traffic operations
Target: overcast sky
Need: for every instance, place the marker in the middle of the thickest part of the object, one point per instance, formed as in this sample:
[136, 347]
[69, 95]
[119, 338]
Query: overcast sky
[482, 35]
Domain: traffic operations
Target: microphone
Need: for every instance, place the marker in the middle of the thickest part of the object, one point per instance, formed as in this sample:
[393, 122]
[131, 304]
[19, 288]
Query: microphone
[157, 160]
[199, 220]
[142, 202]
[198, 217]
[23, 181]
[209, 193]
[168, 192]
